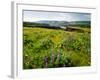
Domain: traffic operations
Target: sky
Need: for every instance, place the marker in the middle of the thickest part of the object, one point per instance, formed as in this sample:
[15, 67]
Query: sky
[33, 16]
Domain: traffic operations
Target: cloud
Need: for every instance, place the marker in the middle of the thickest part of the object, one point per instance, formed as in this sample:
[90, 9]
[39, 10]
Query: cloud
[59, 16]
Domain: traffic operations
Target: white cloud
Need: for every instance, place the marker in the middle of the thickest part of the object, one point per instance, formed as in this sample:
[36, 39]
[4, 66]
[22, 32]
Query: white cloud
[59, 16]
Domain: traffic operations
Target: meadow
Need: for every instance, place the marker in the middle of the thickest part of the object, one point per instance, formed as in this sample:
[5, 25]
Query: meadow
[52, 48]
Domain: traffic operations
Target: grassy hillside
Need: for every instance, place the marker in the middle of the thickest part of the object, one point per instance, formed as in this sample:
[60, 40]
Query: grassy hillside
[51, 48]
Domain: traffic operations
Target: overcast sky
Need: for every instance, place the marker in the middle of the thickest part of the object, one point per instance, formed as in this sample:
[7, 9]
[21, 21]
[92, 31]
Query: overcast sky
[32, 16]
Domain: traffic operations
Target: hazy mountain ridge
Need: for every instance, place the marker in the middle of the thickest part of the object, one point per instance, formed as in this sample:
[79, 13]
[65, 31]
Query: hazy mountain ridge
[53, 23]
[80, 22]
[64, 23]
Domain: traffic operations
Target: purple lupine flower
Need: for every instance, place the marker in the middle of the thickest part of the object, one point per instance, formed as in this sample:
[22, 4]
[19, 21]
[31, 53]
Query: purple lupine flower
[46, 61]
[52, 58]
[58, 56]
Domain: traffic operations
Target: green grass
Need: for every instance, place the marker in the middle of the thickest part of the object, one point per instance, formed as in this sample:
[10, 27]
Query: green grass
[51, 48]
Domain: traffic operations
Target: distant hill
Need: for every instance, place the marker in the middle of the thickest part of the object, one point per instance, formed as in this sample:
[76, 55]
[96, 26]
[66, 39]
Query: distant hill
[34, 24]
[57, 24]
[80, 23]
[54, 23]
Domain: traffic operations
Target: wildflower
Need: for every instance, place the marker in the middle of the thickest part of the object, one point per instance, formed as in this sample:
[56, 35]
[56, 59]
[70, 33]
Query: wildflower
[46, 61]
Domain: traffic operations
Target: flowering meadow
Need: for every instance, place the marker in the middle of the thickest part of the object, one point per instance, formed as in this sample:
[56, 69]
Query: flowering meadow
[52, 48]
